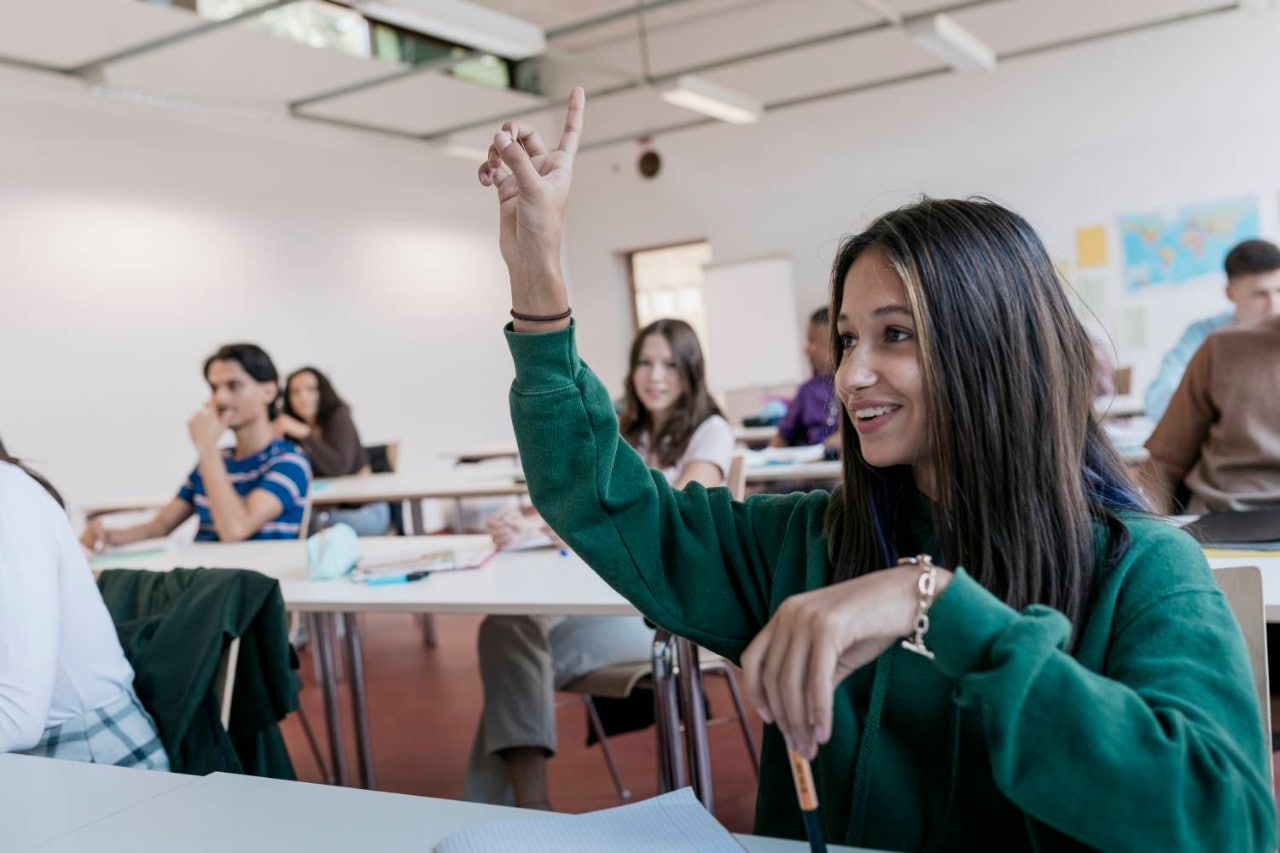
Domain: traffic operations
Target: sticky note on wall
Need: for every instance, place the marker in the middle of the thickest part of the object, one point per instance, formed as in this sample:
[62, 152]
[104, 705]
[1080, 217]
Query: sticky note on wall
[1091, 246]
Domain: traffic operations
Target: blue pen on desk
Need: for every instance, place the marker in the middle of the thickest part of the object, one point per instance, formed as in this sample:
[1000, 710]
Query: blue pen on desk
[405, 577]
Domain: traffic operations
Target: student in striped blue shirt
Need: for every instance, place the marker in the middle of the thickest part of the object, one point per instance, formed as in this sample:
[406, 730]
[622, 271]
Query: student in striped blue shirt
[256, 490]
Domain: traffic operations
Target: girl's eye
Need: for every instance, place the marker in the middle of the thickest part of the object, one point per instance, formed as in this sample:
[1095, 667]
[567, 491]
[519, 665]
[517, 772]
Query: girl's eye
[848, 341]
[895, 335]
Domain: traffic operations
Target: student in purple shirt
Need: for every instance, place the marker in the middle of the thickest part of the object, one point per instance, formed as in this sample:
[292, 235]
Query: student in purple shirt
[813, 416]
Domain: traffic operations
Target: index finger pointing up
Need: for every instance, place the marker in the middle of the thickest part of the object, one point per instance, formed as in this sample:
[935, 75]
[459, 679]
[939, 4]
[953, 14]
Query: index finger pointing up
[573, 121]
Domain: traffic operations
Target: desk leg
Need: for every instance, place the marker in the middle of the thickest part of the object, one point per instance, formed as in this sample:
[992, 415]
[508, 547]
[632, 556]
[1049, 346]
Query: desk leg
[323, 624]
[671, 767]
[695, 722]
[359, 707]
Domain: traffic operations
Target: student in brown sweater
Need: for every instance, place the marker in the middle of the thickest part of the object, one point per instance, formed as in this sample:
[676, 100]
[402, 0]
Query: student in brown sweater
[1220, 435]
[319, 420]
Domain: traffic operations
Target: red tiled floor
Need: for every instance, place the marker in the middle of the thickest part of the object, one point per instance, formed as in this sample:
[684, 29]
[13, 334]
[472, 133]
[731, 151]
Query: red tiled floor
[423, 707]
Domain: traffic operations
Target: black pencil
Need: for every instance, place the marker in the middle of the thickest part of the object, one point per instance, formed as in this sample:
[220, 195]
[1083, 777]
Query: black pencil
[802, 773]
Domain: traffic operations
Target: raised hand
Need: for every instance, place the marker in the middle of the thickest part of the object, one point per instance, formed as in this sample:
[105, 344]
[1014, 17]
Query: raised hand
[533, 191]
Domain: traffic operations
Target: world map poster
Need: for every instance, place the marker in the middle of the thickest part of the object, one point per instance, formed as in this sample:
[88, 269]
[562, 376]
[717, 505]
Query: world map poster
[1161, 249]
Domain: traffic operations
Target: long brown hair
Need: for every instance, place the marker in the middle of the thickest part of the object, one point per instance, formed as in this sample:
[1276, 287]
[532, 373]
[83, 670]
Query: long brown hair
[1022, 468]
[691, 408]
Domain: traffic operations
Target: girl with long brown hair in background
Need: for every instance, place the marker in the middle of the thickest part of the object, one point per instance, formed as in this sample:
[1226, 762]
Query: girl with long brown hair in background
[1052, 669]
[672, 422]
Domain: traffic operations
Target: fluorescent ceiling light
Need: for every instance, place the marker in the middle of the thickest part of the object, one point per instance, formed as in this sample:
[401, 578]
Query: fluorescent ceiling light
[181, 105]
[943, 37]
[697, 94]
[463, 151]
[464, 23]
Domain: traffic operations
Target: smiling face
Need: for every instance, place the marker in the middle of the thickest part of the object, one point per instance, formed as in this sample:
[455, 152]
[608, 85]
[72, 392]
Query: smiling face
[656, 376]
[238, 399]
[878, 379]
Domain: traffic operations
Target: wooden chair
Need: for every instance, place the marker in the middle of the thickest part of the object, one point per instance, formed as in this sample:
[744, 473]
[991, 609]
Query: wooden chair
[1242, 585]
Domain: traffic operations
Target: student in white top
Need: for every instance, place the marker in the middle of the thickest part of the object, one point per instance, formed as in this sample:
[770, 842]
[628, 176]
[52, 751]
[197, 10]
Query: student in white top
[671, 419]
[66, 689]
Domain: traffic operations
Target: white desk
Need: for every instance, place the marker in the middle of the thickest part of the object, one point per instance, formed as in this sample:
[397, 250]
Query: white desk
[415, 486]
[742, 434]
[526, 582]
[755, 434]
[43, 798]
[538, 581]
[246, 814]
[823, 471]
[407, 486]
[150, 504]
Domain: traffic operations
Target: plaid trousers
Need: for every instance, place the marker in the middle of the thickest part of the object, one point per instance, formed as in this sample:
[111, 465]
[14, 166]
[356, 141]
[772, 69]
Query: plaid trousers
[122, 733]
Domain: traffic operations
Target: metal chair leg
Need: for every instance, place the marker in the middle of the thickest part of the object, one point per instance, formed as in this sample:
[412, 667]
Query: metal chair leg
[427, 624]
[315, 747]
[747, 734]
[598, 728]
[694, 709]
[672, 772]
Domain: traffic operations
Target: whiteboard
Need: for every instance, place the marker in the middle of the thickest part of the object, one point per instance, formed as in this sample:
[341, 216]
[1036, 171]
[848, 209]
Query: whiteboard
[753, 330]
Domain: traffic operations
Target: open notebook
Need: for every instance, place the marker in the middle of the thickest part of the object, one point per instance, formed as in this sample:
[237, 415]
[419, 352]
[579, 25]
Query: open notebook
[670, 823]
[424, 562]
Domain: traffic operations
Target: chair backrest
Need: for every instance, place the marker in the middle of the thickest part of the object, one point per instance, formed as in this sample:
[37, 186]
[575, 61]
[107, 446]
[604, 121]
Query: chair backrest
[1242, 585]
[383, 458]
[224, 683]
[1123, 379]
[737, 478]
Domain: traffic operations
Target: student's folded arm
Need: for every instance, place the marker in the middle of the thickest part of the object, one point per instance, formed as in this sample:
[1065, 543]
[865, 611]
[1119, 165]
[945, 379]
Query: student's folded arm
[1162, 751]
[29, 622]
[688, 559]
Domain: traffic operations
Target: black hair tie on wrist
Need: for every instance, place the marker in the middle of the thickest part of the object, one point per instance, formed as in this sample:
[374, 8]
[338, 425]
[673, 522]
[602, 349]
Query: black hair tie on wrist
[534, 318]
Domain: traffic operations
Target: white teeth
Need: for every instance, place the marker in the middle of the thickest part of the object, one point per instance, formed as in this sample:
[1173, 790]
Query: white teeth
[864, 414]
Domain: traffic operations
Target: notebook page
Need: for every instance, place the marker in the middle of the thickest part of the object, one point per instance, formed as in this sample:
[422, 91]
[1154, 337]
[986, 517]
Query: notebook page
[670, 823]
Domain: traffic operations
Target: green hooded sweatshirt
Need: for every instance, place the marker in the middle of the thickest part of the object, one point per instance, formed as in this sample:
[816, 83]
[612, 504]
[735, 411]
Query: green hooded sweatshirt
[1146, 736]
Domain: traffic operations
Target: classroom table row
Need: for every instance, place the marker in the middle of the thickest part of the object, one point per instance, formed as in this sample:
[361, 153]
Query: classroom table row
[459, 484]
[53, 806]
[453, 484]
[528, 582]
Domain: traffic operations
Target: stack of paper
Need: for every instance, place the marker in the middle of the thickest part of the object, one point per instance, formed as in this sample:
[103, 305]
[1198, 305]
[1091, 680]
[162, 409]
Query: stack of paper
[670, 823]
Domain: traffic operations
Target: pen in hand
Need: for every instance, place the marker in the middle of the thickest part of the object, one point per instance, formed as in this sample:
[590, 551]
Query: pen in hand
[802, 774]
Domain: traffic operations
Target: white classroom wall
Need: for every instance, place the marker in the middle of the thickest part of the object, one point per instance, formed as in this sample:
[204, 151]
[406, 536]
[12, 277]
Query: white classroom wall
[1077, 137]
[134, 241]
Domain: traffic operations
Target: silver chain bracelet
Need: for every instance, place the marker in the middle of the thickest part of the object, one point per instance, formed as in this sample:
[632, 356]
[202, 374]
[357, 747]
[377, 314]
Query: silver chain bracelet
[927, 585]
